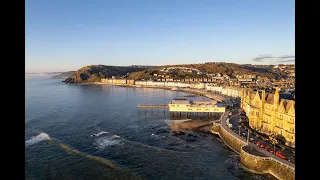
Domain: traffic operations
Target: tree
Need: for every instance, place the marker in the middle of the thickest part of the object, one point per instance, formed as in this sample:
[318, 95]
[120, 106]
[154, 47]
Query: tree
[281, 139]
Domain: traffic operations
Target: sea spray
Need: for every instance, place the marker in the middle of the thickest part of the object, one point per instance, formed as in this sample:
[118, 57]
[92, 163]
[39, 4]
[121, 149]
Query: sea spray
[100, 133]
[104, 142]
[35, 139]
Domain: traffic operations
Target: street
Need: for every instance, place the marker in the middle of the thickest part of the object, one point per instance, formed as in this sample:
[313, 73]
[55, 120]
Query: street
[243, 131]
[233, 105]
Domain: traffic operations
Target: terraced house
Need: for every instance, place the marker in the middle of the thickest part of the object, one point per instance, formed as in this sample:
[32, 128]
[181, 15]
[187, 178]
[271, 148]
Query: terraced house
[270, 114]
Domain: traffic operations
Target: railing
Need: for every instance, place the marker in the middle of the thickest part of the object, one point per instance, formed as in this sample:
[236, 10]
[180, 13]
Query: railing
[269, 158]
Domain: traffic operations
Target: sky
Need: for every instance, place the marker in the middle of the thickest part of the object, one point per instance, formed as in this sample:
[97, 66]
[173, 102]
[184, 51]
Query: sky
[65, 35]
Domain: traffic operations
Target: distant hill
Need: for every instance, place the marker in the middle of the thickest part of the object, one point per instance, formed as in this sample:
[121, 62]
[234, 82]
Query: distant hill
[63, 75]
[231, 69]
[94, 73]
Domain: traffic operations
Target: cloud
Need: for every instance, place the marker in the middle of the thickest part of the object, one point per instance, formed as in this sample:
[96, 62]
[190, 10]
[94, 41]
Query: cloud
[274, 59]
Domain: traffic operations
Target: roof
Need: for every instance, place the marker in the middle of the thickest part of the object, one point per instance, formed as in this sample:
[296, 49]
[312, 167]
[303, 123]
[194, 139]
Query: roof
[270, 98]
[287, 104]
[204, 101]
[175, 101]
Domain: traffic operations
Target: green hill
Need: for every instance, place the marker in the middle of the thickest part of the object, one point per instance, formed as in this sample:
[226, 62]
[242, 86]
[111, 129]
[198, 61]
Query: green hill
[94, 73]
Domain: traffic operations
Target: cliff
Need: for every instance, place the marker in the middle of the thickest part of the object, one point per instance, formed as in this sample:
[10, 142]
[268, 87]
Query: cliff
[94, 73]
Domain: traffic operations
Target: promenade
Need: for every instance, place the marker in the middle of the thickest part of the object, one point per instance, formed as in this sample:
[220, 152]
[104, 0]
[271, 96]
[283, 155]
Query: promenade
[259, 151]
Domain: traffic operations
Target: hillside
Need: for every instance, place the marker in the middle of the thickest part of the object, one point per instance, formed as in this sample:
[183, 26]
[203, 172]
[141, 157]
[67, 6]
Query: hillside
[230, 69]
[63, 75]
[94, 73]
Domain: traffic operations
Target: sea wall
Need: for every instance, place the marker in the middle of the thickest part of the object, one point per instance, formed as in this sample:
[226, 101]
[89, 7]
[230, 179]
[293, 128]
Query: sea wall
[262, 165]
[230, 140]
[253, 163]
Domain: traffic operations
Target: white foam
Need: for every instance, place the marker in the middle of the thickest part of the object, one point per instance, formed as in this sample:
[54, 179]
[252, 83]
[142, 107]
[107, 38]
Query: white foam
[133, 126]
[104, 142]
[115, 136]
[100, 133]
[38, 138]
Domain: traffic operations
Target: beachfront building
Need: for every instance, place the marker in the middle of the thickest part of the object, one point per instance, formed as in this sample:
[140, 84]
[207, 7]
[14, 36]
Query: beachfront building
[269, 114]
[201, 106]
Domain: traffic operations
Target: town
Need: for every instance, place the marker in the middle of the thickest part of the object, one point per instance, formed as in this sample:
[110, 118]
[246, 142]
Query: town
[266, 106]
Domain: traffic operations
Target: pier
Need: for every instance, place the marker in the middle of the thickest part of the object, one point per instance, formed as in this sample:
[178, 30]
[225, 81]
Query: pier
[190, 108]
[160, 106]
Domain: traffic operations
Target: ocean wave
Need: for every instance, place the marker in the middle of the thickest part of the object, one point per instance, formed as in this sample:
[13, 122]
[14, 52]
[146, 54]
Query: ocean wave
[133, 126]
[104, 142]
[98, 134]
[38, 138]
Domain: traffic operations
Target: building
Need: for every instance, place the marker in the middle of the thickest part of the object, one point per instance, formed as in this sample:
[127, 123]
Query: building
[184, 105]
[270, 114]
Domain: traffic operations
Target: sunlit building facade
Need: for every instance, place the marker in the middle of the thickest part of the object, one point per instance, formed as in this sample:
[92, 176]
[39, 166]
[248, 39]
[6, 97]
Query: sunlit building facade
[270, 114]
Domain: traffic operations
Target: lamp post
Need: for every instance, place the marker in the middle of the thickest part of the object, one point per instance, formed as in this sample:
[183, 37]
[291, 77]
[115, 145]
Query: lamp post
[274, 141]
[248, 137]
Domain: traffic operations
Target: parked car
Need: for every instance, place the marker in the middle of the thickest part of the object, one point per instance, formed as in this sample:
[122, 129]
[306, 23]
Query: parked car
[262, 145]
[258, 144]
[269, 149]
[279, 154]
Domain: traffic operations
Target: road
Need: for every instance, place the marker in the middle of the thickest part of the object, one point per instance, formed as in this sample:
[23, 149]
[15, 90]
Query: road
[244, 138]
[234, 120]
[234, 106]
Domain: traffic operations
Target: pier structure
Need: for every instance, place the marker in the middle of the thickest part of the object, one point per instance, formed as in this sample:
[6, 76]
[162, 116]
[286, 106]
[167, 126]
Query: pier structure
[182, 106]
[196, 107]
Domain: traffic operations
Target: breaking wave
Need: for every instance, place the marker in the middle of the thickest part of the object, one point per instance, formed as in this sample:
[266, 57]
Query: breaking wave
[104, 142]
[38, 138]
[100, 133]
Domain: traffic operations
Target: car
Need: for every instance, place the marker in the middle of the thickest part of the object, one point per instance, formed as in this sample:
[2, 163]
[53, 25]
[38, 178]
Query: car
[262, 145]
[258, 144]
[251, 139]
[279, 154]
[269, 149]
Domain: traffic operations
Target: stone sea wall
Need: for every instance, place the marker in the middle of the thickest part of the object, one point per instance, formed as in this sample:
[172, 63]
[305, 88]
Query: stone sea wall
[255, 164]
[232, 142]
[262, 165]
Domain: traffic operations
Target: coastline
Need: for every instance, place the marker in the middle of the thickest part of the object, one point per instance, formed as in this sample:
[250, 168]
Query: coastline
[207, 127]
[194, 92]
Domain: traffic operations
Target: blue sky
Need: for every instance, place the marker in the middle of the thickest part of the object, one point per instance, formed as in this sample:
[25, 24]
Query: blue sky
[67, 35]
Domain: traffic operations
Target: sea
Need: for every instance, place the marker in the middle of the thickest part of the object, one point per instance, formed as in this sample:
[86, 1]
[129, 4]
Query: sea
[97, 132]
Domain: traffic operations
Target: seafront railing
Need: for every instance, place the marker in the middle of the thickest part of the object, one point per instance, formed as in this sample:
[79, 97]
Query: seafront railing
[268, 158]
